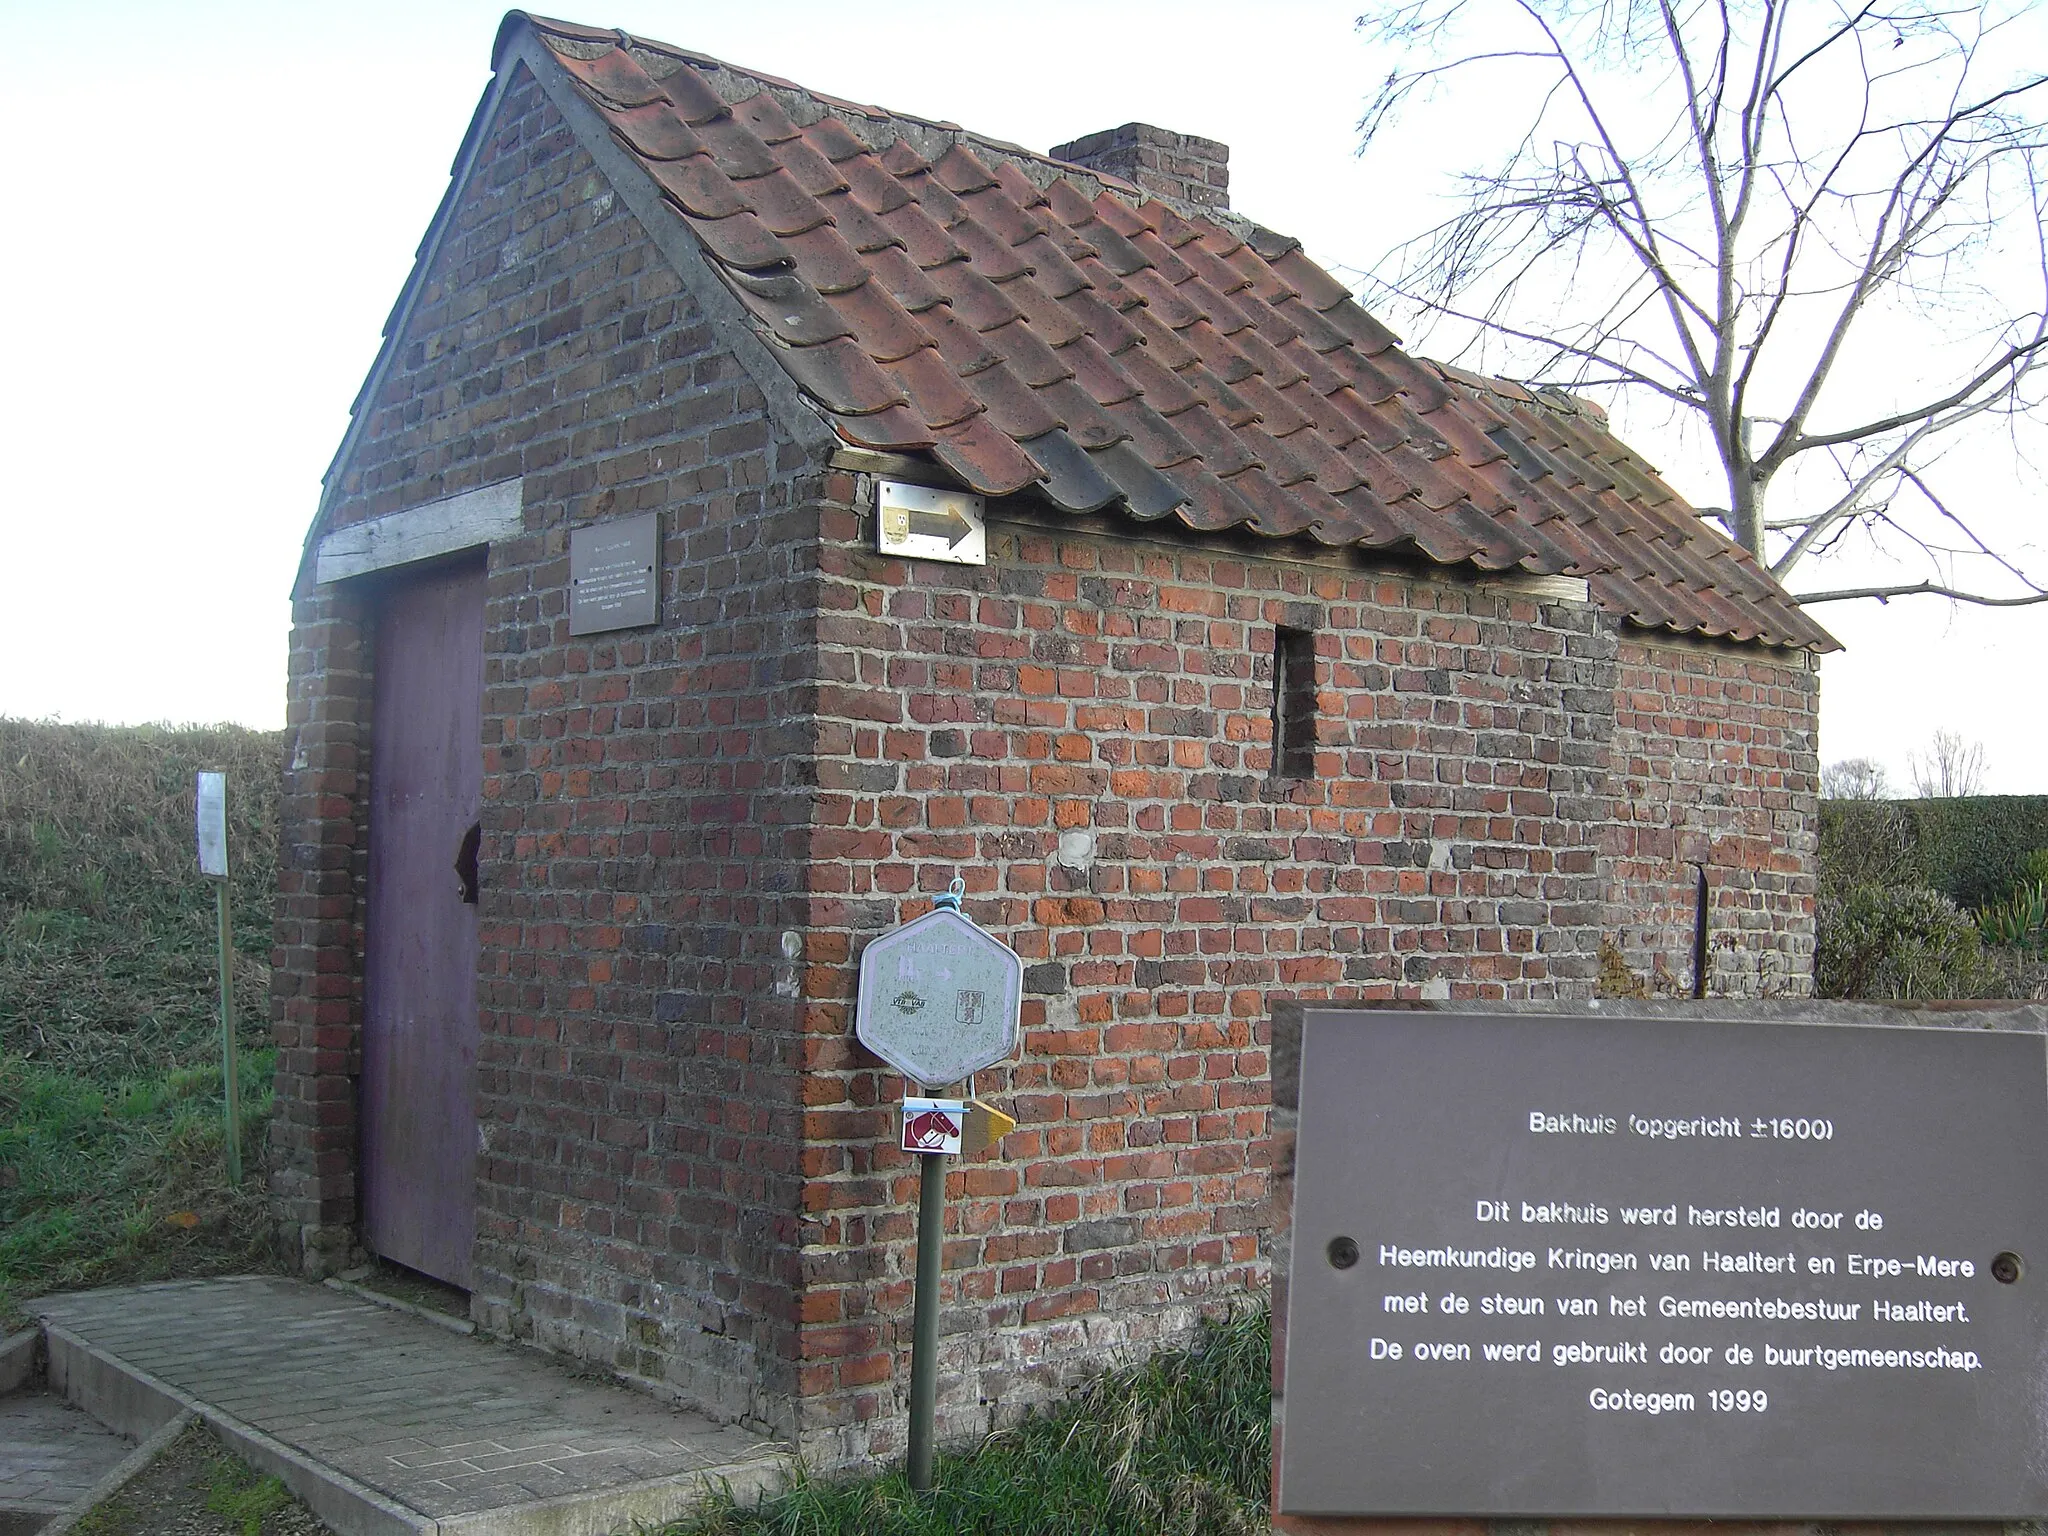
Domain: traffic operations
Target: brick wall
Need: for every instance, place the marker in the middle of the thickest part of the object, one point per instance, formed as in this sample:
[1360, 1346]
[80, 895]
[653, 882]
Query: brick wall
[315, 978]
[1716, 754]
[645, 797]
[1082, 731]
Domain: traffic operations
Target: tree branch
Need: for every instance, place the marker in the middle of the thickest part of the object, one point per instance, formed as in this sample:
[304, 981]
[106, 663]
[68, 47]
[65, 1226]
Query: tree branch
[1931, 588]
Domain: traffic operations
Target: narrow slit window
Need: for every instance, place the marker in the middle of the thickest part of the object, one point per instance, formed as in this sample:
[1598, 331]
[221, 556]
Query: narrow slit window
[1294, 703]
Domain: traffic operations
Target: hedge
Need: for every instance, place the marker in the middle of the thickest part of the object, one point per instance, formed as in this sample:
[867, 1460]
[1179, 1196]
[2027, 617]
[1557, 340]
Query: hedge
[1973, 850]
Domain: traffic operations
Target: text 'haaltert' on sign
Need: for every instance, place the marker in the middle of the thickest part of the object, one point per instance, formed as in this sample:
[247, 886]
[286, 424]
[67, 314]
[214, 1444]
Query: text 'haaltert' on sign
[1598, 1267]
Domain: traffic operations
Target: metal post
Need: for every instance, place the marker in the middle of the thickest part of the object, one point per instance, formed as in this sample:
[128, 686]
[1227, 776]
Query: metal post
[227, 1035]
[924, 1327]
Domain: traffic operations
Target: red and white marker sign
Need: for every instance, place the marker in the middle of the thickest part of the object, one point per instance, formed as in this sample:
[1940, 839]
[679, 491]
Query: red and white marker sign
[933, 1125]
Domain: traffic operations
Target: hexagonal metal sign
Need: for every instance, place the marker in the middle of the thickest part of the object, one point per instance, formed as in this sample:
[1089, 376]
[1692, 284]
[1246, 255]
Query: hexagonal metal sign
[939, 998]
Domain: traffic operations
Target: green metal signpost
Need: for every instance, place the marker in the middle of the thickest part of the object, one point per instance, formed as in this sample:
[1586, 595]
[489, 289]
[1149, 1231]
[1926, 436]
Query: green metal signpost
[939, 1002]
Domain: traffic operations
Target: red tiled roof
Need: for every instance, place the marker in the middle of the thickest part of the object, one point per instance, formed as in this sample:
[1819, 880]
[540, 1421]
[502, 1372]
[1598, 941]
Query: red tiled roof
[1035, 328]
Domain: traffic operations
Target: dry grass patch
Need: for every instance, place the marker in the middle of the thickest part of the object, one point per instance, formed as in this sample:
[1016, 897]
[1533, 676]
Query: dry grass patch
[111, 1136]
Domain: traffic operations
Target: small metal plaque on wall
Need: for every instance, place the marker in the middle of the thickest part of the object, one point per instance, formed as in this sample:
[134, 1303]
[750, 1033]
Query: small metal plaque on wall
[615, 575]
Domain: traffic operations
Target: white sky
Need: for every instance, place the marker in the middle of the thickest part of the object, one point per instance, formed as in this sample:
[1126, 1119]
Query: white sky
[214, 206]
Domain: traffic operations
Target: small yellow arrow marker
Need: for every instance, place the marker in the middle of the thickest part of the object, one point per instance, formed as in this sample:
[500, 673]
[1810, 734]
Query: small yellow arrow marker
[986, 1125]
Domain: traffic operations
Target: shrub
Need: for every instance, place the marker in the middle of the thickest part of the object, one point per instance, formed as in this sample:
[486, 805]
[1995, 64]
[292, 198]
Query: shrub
[2019, 919]
[1973, 850]
[1867, 842]
[1878, 941]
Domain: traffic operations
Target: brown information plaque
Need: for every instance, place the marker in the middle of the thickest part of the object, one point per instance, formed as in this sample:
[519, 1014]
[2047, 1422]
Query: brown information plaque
[1552, 1265]
[615, 574]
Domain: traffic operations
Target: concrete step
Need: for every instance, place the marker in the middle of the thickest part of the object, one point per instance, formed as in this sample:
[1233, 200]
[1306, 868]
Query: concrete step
[51, 1456]
[385, 1424]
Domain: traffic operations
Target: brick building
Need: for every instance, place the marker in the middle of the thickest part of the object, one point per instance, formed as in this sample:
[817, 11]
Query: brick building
[1297, 669]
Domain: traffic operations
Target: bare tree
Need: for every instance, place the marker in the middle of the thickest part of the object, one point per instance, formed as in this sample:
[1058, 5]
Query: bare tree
[1950, 767]
[1739, 209]
[1855, 778]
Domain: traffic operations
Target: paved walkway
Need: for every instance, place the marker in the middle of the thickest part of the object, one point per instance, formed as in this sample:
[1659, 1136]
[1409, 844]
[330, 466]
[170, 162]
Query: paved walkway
[443, 1429]
[50, 1454]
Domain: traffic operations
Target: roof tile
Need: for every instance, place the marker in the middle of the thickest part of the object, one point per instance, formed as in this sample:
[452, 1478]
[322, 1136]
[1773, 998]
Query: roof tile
[654, 132]
[825, 261]
[959, 172]
[899, 429]
[612, 79]
[691, 93]
[795, 311]
[813, 172]
[1014, 405]
[762, 115]
[1025, 351]
[980, 453]
[936, 392]
[785, 207]
[1073, 478]
[835, 141]
[741, 240]
[1087, 421]
[1147, 493]
[843, 378]
[874, 188]
[887, 330]
[698, 187]
[993, 257]
[979, 303]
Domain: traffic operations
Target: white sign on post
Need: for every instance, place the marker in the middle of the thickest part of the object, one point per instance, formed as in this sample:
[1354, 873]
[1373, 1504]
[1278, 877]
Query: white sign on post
[213, 824]
[939, 998]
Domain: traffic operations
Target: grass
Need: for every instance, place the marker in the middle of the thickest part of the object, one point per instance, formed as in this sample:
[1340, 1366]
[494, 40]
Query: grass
[243, 1498]
[1179, 1445]
[111, 1136]
[199, 1487]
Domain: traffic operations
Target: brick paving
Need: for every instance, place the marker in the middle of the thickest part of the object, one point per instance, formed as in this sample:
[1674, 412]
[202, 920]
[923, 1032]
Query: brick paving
[50, 1453]
[441, 1423]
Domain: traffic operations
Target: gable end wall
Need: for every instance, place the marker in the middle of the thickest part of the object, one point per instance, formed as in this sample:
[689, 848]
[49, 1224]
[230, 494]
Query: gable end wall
[646, 796]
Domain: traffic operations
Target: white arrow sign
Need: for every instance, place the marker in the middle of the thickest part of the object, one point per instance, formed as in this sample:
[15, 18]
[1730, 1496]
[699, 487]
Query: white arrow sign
[921, 522]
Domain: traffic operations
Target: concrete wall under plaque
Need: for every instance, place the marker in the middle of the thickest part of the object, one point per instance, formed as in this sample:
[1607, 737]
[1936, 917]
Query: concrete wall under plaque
[1810, 1454]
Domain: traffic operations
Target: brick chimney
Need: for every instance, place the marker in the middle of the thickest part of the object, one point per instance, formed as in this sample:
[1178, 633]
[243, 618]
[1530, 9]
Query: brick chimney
[1173, 165]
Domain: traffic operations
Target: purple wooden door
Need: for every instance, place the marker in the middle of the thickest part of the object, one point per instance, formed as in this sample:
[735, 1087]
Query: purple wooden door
[419, 972]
